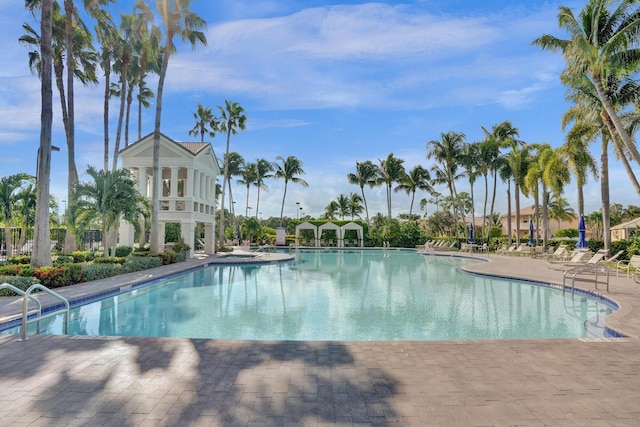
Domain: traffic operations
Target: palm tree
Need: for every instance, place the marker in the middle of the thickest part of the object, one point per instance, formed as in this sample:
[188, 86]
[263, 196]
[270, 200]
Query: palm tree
[232, 119]
[25, 207]
[249, 175]
[447, 152]
[9, 189]
[390, 171]
[206, 123]
[331, 210]
[471, 164]
[263, 171]
[355, 205]
[177, 19]
[519, 160]
[41, 255]
[488, 162]
[560, 210]
[343, 202]
[602, 43]
[235, 164]
[288, 170]
[365, 175]
[111, 197]
[502, 135]
[418, 178]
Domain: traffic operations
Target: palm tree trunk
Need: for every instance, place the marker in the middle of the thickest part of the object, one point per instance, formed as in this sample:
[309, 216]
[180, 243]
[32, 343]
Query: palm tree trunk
[617, 123]
[41, 247]
[389, 201]
[604, 191]
[545, 216]
[516, 190]
[619, 152]
[258, 202]
[224, 179]
[485, 232]
[364, 199]
[123, 100]
[127, 117]
[284, 196]
[509, 232]
[107, 83]
[156, 240]
[413, 196]
[246, 209]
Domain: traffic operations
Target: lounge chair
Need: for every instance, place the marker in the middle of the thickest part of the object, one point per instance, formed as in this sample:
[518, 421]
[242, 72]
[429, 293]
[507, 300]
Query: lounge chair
[579, 260]
[560, 253]
[506, 251]
[627, 265]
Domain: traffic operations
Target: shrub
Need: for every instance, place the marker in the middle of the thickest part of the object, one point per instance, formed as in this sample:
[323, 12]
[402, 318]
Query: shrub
[181, 247]
[53, 277]
[76, 272]
[92, 272]
[141, 249]
[63, 259]
[116, 260]
[168, 257]
[141, 263]
[123, 251]
[82, 256]
[22, 283]
[19, 259]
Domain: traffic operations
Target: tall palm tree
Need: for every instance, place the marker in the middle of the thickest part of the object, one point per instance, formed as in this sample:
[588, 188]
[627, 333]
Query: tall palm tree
[365, 175]
[177, 19]
[232, 118]
[471, 164]
[555, 177]
[288, 170]
[235, 165]
[9, 189]
[331, 210]
[344, 205]
[355, 205]
[502, 135]
[41, 254]
[488, 163]
[602, 42]
[418, 178]
[263, 171]
[447, 152]
[110, 197]
[248, 175]
[206, 122]
[389, 171]
[519, 159]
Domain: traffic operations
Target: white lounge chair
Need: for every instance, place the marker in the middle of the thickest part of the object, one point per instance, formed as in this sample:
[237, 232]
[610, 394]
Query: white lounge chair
[627, 265]
[578, 260]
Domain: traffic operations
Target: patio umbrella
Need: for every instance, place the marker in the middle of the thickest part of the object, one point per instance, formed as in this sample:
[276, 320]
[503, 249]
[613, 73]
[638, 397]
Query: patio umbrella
[471, 234]
[531, 241]
[582, 241]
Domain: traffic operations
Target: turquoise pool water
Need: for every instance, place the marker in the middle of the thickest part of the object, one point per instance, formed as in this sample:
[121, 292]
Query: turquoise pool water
[341, 295]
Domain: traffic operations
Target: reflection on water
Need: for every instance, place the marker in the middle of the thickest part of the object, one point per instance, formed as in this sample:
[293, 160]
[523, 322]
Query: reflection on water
[341, 295]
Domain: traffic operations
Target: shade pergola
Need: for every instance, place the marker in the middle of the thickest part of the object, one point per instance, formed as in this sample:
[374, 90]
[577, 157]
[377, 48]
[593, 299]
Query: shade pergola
[359, 232]
[307, 226]
[330, 226]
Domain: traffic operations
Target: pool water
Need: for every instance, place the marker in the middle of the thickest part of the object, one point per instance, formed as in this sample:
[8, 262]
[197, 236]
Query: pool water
[341, 295]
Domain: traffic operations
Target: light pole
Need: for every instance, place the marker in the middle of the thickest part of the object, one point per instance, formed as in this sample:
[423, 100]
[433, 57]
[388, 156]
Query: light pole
[297, 209]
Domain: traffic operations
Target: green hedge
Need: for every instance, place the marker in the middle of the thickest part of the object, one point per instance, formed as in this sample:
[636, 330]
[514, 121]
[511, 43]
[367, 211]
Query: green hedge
[19, 282]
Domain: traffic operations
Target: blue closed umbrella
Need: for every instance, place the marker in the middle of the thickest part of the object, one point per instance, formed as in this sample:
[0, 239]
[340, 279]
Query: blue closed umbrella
[471, 234]
[531, 241]
[582, 230]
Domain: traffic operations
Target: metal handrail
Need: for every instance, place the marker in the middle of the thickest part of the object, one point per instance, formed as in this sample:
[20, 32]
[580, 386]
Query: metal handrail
[25, 299]
[23, 293]
[585, 269]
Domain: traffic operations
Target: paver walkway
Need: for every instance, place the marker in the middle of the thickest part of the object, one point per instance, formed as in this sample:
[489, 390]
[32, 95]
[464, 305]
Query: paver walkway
[59, 380]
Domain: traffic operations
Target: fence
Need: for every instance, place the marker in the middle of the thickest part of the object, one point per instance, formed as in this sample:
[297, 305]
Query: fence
[22, 241]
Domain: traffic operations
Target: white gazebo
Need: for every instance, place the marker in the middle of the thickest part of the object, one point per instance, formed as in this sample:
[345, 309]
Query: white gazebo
[307, 226]
[359, 232]
[188, 178]
[330, 226]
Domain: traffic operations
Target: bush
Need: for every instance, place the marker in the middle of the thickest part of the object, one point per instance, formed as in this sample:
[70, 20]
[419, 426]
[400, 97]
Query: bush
[141, 263]
[141, 249]
[116, 260]
[100, 271]
[63, 259]
[82, 256]
[123, 251]
[17, 270]
[53, 277]
[19, 259]
[181, 247]
[22, 283]
[168, 257]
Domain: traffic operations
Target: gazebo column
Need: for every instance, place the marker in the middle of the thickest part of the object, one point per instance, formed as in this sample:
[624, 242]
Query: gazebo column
[126, 234]
[188, 191]
[188, 236]
[142, 181]
[209, 238]
[173, 185]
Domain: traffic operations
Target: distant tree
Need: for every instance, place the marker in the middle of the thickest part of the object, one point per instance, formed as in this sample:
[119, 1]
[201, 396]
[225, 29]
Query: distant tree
[390, 171]
[287, 170]
[418, 178]
[366, 173]
[206, 123]
[263, 171]
[10, 187]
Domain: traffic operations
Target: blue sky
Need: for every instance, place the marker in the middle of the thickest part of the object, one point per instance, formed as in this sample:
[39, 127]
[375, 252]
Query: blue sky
[332, 83]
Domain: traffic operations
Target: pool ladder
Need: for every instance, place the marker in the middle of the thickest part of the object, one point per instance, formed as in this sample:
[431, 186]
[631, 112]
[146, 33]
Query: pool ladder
[26, 314]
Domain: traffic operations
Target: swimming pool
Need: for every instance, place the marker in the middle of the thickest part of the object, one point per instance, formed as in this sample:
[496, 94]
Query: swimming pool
[345, 295]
